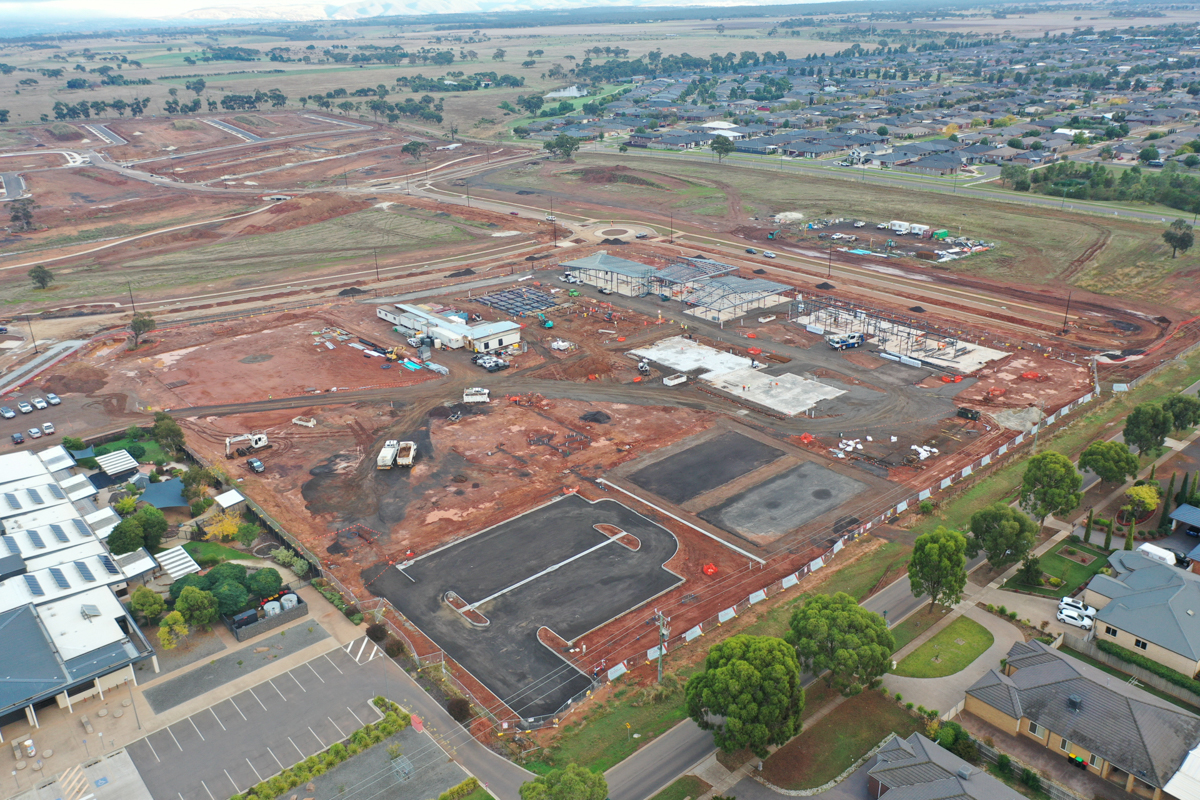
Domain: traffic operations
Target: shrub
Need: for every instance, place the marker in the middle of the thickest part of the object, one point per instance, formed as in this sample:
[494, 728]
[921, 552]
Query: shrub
[899, 697]
[377, 632]
[1074, 539]
[1070, 550]
[1012, 615]
[909, 706]
[136, 450]
[1162, 671]
[1003, 611]
[933, 713]
[462, 790]
[355, 618]
[71, 443]
[394, 648]
[1031, 779]
[991, 608]
[196, 507]
[1056, 582]
[925, 507]
[1004, 765]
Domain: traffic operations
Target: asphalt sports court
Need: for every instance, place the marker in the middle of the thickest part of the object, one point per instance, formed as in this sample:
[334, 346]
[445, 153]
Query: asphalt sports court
[704, 466]
[548, 567]
[783, 503]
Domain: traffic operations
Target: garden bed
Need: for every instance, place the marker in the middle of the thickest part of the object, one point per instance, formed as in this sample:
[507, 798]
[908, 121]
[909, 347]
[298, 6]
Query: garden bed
[1072, 572]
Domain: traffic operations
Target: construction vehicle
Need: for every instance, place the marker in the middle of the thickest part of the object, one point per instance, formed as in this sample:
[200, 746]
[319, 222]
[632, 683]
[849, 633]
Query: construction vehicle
[573, 293]
[644, 367]
[774, 234]
[258, 441]
[476, 395]
[395, 354]
[840, 341]
[546, 323]
[395, 453]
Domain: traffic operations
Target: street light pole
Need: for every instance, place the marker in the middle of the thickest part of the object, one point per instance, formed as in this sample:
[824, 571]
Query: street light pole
[830, 275]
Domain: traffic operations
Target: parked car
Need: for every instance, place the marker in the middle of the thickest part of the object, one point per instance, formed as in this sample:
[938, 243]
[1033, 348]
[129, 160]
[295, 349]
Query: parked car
[35, 433]
[751, 251]
[48, 428]
[642, 236]
[1072, 617]
[40, 404]
[1077, 605]
[52, 398]
[514, 214]
[606, 290]
[18, 438]
[24, 407]
[7, 412]
[768, 254]
[255, 465]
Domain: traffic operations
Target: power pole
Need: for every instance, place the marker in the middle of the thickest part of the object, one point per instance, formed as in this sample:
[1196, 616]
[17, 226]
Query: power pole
[375, 252]
[129, 286]
[663, 635]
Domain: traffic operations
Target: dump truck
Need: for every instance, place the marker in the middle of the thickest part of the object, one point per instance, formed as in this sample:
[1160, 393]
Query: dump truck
[396, 453]
[406, 454]
[840, 341]
[476, 395]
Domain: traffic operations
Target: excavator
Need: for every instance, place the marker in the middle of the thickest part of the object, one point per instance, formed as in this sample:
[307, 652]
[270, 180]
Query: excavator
[546, 323]
[258, 441]
[395, 354]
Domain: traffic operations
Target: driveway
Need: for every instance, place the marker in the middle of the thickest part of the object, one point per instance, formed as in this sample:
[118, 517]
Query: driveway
[853, 788]
[1035, 609]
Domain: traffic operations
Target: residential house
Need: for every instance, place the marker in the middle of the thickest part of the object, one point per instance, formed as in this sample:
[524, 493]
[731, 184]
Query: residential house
[1117, 731]
[919, 769]
[935, 164]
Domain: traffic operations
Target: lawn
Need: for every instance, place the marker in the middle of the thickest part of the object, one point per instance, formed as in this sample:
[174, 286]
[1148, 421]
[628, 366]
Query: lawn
[954, 648]
[917, 624]
[824, 751]
[685, 787]
[1072, 573]
[153, 451]
[207, 551]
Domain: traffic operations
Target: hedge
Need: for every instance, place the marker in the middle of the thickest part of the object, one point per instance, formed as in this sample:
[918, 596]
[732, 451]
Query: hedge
[460, 791]
[394, 721]
[1164, 672]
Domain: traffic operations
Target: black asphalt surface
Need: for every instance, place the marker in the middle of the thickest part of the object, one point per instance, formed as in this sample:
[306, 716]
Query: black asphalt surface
[702, 468]
[784, 502]
[571, 599]
[253, 735]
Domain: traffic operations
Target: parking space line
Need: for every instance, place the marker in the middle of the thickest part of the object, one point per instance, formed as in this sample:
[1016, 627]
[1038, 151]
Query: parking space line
[314, 672]
[260, 702]
[298, 683]
[277, 761]
[318, 738]
[201, 735]
[218, 719]
[255, 770]
[276, 688]
[235, 708]
[152, 750]
[335, 666]
[227, 775]
[351, 710]
[339, 727]
[360, 650]
[177, 744]
[205, 785]
[298, 750]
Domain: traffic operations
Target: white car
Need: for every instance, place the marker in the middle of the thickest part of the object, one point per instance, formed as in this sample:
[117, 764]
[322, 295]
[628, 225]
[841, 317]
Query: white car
[1072, 617]
[768, 254]
[24, 407]
[39, 404]
[53, 398]
[1077, 605]
[48, 428]
[35, 433]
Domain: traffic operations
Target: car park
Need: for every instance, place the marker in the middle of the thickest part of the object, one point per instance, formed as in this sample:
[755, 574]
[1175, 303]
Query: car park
[40, 404]
[35, 433]
[48, 428]
[1077, 605]
[52, 398]
[24, 407]
[255, 465]
[1072, 617]
[7, 412]
[18, 438]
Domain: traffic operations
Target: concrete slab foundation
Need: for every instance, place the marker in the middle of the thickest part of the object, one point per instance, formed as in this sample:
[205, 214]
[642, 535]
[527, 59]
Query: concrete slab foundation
[685, 355]
[787, 393]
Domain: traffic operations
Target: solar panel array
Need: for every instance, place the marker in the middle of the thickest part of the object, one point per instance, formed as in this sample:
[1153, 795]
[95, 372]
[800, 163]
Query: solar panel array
[11, 544]
[516, 302]
[60, 578]
[108, 564]
[59, 532]
[12, 501]
[36, 538]
[34, 587]
[82, 527]
[85, 571]
[35, 497]
[57, 492]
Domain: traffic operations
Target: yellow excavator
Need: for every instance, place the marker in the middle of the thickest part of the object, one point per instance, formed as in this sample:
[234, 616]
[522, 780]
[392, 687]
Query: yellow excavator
[395, 354]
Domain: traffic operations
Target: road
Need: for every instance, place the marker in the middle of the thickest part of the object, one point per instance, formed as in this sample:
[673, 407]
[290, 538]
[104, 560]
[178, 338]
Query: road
[234, 130]
[14, 187]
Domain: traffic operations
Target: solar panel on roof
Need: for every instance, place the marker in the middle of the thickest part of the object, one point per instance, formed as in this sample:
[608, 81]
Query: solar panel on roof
[82, 527]
[59, 532]
[57, 492]
[60, 578]
[12, 546]
[36, 538]
[108, 564]
[34, 586]
[11, 499]
[84, 571]
[35, 497]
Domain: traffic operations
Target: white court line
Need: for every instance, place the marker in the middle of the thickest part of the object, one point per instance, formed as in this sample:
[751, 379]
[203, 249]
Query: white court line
[339, 727]
[201, 735]
[298, 683]
[276, 688]
[318, 738]
[314, 672]
[235, 708]
[153, 751]
[298, 750]
[356, 716]
[277, 761]
[260, 702]
[335, 666]
[518, 584]
[218, 719]
[205, 785]
[362, 647]
[227, 775]
[177, 744]
[255, 770]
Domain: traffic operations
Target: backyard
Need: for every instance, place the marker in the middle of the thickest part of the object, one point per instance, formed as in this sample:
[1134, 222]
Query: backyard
[211, 553]
[950, 651]
[1065, 566]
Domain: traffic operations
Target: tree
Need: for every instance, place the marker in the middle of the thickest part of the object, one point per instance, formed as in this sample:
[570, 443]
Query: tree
[1147, 426]
[722, 146]
[1050, 486]
[197, 606]
[147, 604]
[1030, 572]
[172, 630]
[835, 633]
[227, 571]
[938, 566]
[1184, 410]
[166, 432]
[623, 148]
[498, 55]
[1164, 524]
[126, 537]
[247, 532]
[222, 527]
[572, 783]
[231, 597]
[1002, 532]
[721, 29]
[264, 582]
[41, 277]
[1111, 461]
[20, 213]
[882, 130]
[1179, 236]
[1128, 537]
[1148, 153]
[1016, 143]
[198, 86]
[563, 146]
[154, 525]
[126, 506]
[1087, 529]
[193, 579]
[1013, 173]
[73, 444]
[1141, 500]
[141, 324]
[753, 683]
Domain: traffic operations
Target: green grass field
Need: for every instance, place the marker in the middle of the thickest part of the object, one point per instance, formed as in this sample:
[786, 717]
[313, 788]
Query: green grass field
[917, 624]
[1072, 573]
[954, 648]
[687, 786]
[210, 550]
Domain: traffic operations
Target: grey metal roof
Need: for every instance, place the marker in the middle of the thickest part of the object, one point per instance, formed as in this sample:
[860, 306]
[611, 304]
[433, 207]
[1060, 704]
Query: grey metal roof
[1136, 731]
[1154, 602]
[29, 665]
[918, 769]
[603, 262]
[1188, 515]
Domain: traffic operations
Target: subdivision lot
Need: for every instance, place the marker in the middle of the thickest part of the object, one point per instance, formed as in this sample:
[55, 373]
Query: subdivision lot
[549, 567]
[784, 503]
[704, 467]
[234, 744]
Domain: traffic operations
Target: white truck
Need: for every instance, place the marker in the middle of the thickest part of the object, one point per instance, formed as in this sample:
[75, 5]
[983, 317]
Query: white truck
[477, 395]
[406, 454]
[387, 455]
[840, 341]
[1157, 553]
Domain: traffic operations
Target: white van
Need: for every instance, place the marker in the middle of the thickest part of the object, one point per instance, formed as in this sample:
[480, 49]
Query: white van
[1157, 553]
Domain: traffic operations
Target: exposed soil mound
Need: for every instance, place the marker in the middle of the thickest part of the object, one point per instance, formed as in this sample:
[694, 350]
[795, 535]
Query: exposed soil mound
[592, 365]
[81, 380]
[307, 211]
[613, 175]
[351, 292]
